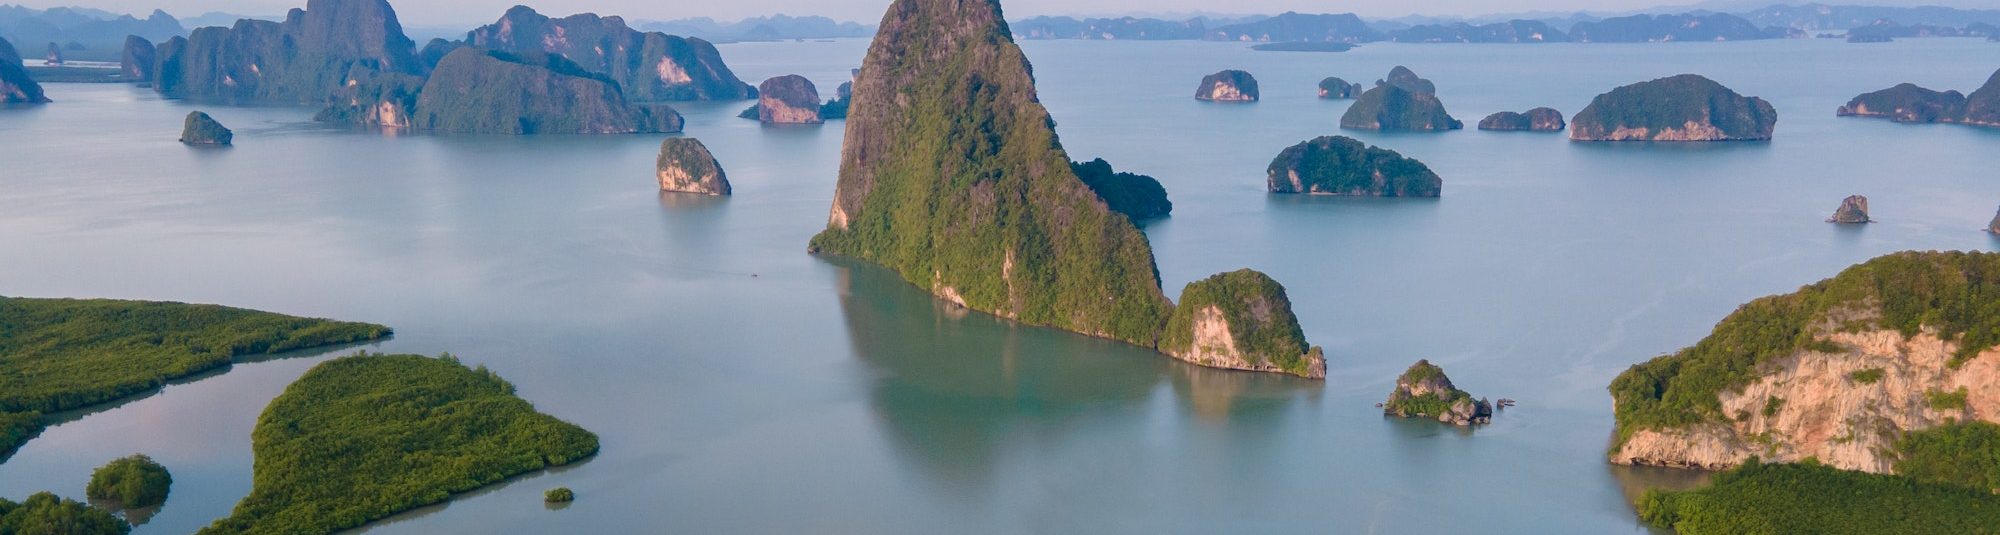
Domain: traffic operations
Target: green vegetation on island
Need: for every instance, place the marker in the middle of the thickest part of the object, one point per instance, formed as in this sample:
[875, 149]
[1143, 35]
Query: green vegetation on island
[1401, 101]
[63, 354]
[1955, 295]
[1687, 107]
[559, 495]
[958, 182]
[492, 92]
[1241, 320]
[1227, 86]
[648, 66]
[363, 437]
[1963, 454]
[1423, 391]
[1910, 103]
[1341, 165]
[131, 482]
[46, 514]
[1139, 197]
[1758, 498]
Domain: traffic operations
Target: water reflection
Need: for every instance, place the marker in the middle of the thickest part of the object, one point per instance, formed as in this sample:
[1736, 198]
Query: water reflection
[965, 392]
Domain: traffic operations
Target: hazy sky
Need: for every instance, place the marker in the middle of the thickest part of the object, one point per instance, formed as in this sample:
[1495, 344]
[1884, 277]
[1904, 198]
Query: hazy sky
[425, 12]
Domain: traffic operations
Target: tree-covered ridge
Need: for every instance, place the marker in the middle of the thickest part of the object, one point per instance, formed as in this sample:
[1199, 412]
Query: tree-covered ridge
[46, 514]
[1963, 454]
[1686, 107]
[1139, 197]
[61, 354]
[1341, 165]
[953, 176]
[1956, 295]
[1909, 103]
[131, 482]
[493, 92]
[1258, 319]
[1773, 499]
[363, 437]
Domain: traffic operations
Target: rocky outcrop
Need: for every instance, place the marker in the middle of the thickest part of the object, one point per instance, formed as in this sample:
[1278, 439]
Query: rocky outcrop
[378, 99]
[1340, 165]
[1402, 101]
[1853, 209]
[200, 129]
[648, 66]
[492, 92]
[686, 166]
[16, 86]
[964, 189]
[1687, 107]
[1835, 372]
[837, 108]
[1241, 320]
[788, 99]
[137, 59]
[304, 59]
[1909, 103]
[54, 57]
[1423, 391]
[1227, 86]
[1994, 227]
[1336, 88]
[1139, 197]
[1535, 120]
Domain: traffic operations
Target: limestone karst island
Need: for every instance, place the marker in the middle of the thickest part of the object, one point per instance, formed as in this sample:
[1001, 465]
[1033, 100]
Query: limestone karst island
[309, 267]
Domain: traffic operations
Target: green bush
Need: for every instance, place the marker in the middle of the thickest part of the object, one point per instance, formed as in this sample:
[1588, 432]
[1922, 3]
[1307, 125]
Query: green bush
[363, 437]
[1867, 377]
[132, 482]
[1955, 293]
[1946, 401]
[46, 514]
[63, 354]
[1966, 454]
[559, 495]
[1798, 498]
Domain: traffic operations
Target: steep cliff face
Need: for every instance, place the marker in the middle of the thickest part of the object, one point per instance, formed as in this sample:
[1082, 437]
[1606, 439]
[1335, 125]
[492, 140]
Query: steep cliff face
[953, 176]
[1402, 101]
[1687, 107]
[1228, 86]
[137, 59]
[16, 87]
[1853, 209]
[1340, 165]
[1837, 371]
[1423, 391]
[686, 166]
[303, 59]
[649, 66]
[788, 99]
[492, 92]
[1241, 320]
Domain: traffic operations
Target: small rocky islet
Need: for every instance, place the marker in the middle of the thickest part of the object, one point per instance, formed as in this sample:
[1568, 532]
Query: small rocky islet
[788, 99]
[1910, 103]
[1340, 165]
[1402, 101]
[1227, 86]
[137, 59]
[1423, 391]
[1240, 320]
[200, 129]
[1534, 120]
[1687, 107]
[685, 166]
[1335, 88]
[1853, 210]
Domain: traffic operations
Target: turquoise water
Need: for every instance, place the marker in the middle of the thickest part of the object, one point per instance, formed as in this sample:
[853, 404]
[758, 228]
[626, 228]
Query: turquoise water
[741, 385]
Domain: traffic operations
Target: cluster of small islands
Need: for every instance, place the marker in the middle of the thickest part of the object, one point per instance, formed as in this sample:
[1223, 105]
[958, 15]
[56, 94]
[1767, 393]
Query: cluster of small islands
[1878, 386]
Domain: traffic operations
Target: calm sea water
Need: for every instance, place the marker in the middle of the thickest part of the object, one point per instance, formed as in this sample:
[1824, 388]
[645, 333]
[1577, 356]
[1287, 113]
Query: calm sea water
[741, 385]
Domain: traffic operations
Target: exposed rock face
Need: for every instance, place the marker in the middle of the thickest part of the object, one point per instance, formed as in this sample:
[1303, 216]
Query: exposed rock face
[55, 56]
[137, 60]
[1854, 209]
[303, 59]
[1423, 391]
[1994, 227]
[492, 92]
[386, 100]
[1336, 88]
[964, 189]
[788, 99]
[686, 166]
[16, 87]
[1227, 86]
[1340, 165]
[1864, 378]
[1909, 103]
[200, 129]
[1241, 320]
[648, 66]
[1139, 197]
[1535, 120]
[1687, 107]
[1403, 101]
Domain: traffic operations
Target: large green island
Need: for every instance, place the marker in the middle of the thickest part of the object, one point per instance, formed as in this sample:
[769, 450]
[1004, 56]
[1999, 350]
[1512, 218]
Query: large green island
[65, 354]
[363, 437]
